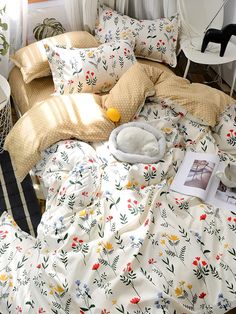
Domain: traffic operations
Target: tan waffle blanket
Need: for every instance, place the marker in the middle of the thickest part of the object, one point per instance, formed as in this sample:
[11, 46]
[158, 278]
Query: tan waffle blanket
[83, 116]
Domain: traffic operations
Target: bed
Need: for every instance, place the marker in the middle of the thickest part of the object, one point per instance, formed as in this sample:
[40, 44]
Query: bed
[114, 238]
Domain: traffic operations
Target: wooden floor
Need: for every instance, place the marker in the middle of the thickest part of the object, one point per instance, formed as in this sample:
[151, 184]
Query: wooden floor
[199, 73]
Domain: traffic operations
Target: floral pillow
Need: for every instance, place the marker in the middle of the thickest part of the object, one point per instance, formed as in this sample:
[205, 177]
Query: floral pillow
[154, 39]
[89, 70]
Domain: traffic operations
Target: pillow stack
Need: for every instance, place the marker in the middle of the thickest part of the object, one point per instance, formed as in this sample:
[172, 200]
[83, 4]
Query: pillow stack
[154, 39]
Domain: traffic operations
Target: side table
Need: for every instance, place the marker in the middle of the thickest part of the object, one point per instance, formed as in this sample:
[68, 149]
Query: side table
[5, 112]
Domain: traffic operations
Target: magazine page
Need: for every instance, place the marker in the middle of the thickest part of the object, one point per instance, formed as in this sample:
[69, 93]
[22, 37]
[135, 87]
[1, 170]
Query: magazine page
[195, 174]
[220, 195]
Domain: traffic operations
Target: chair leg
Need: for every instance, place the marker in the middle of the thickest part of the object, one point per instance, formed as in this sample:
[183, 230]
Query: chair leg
[234, 79]
[186, 69]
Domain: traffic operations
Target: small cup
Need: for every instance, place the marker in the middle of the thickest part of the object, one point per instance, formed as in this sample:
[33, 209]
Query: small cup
[228, 175]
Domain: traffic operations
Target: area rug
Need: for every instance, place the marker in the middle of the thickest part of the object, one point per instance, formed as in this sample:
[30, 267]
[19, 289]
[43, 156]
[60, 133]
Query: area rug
[18, 199]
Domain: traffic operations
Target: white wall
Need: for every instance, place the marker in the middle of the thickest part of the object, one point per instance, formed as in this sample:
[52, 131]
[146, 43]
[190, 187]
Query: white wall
[229, 17]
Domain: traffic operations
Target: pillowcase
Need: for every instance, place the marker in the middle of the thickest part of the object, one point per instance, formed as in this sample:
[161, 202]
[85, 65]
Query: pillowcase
[91, 70]
[154, 39]
[32, 59]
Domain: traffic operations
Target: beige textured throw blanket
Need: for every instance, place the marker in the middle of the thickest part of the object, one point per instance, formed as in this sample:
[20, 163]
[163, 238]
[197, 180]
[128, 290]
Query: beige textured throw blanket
[83, 116]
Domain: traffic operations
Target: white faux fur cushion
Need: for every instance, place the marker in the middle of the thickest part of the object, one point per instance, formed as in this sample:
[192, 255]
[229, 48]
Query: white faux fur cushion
[137, 142]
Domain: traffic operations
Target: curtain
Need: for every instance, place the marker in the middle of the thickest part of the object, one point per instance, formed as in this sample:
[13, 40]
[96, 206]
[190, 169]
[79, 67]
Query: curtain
[82, 13]
[152, 9]
[13, 30]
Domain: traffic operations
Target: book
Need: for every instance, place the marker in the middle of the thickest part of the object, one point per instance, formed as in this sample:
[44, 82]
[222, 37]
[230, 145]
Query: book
[197, 177]
[3, 96]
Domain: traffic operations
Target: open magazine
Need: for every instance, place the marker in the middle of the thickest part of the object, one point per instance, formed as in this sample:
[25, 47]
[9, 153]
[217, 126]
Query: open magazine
[196, 176]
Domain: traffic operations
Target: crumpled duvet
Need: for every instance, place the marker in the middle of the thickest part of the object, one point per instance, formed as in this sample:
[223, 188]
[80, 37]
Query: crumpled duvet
[115, 239]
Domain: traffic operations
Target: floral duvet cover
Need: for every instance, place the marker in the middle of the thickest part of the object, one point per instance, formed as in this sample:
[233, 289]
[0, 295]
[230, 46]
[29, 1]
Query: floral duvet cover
[115, 239]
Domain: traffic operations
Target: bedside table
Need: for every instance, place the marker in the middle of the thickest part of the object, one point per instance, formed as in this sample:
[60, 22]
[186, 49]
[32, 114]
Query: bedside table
[5, 112]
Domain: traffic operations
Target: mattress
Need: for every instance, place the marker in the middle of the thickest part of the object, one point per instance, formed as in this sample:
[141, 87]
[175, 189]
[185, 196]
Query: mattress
[28, 95]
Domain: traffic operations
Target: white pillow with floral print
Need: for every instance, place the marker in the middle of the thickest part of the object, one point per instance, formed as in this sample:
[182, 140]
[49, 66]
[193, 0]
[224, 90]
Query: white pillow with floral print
[154, 39]
[89, 70]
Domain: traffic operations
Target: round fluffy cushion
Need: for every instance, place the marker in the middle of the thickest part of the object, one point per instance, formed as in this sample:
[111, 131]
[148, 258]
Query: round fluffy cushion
[137, 142]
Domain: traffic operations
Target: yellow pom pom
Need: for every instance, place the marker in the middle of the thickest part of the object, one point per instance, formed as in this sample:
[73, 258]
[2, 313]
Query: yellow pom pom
[113, 114]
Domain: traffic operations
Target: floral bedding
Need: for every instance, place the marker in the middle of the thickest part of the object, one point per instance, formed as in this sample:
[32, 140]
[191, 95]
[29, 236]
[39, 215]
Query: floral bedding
[115, 239]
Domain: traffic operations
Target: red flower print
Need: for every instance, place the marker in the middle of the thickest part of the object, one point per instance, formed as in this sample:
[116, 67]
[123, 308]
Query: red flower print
[204, 263]
[129, 200]
[95, 266]
[87, 72]
[135, 300]
[202, 295]
[228, 135]
[81, 241]
[75, 239]
[129, 206]
[198, 258]
[129, 267]
[203, 217]
[146, 222]
[217, 257]
[38, 266]
[92, 73]
[195, 263]
[231, 130]
[41, 310]
[151, 261]
[73, 244]
[135, 202]
[105, 312]
[234, 219]
[229, 218]
[146, 167]
[154, 168]
[87, 77]
[109, 218]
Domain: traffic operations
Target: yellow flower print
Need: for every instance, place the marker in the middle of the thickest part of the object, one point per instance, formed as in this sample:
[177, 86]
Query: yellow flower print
[167, 130]
[182, 283]
[83, 213]
[58, 289]
[160, 254]
[170, 180]
[173, 238]
[179, 292]
[90, 54]
[163, 242]
[129, 185]
[91, 212]
[98, 250]
[114, 302]
[108, 246]
[226, 245]
[3, 277]
[168, 28]
[10, 284]
[189, 286]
